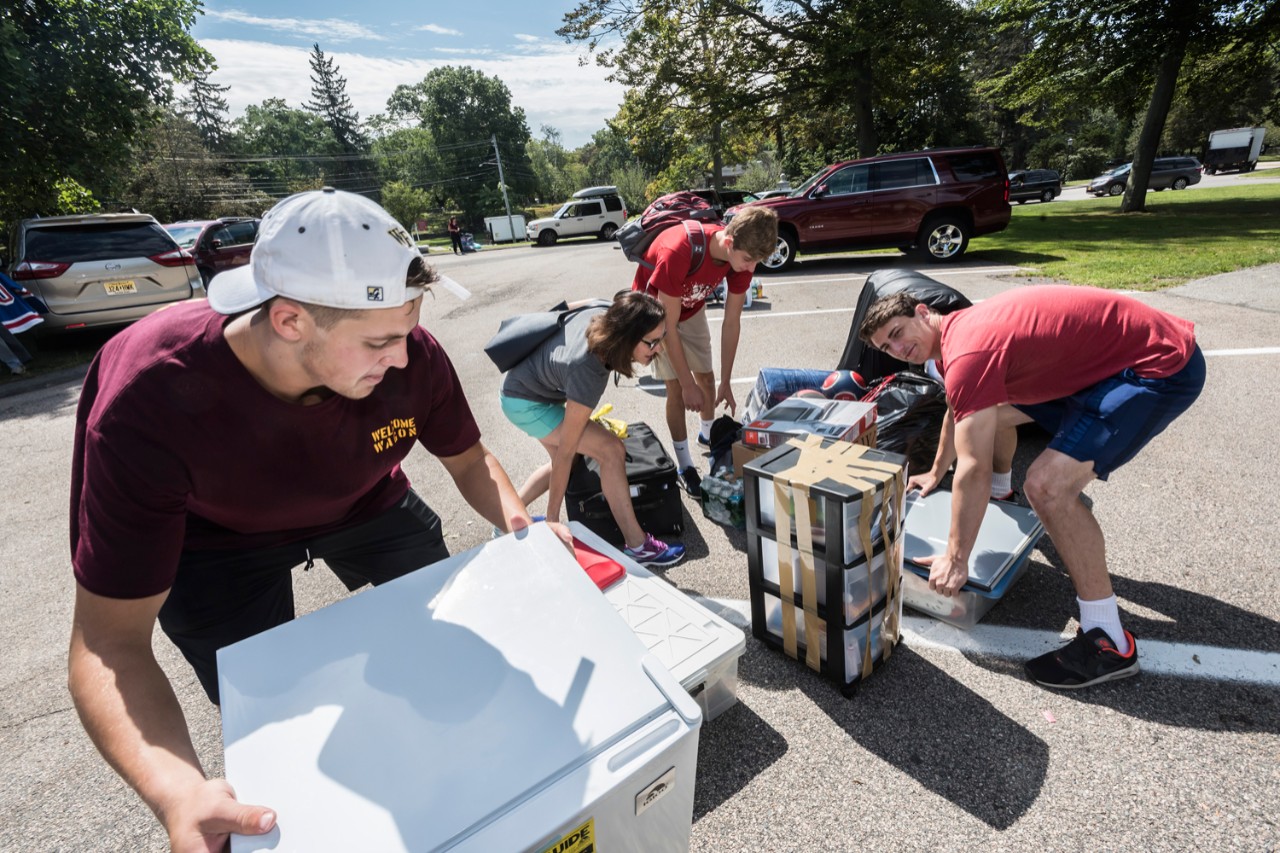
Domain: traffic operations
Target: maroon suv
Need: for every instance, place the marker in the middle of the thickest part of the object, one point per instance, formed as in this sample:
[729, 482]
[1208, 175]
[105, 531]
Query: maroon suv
[932, 201]
[217, 244]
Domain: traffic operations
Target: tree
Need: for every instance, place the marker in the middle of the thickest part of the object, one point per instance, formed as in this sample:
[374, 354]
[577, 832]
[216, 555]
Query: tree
[463, 109]
[173, 176]
[828, 80]
[405, 203]
[205, 106]
[1128, 53]
[284, 150]
[329, 101]
[78, 79]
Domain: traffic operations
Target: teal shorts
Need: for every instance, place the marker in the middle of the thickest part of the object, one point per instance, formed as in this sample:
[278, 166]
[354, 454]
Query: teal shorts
[536, 419]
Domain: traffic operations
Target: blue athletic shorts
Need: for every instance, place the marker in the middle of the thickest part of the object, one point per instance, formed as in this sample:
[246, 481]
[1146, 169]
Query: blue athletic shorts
[1108, 423]
[536, 419]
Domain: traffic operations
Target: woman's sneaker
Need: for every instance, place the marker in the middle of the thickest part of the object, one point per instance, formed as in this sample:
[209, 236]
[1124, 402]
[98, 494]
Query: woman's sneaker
[1089, 659]
[655, 552]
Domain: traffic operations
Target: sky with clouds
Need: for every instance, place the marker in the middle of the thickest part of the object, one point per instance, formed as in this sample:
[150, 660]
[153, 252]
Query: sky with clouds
[262, 51]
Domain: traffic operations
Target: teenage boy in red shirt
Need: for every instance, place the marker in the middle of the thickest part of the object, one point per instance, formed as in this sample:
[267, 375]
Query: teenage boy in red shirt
[682, 285]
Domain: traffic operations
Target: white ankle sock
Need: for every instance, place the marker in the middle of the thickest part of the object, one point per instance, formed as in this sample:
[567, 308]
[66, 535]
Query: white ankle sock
[683, 459]
[706, 427]
[1001, 484]
[1105, 614]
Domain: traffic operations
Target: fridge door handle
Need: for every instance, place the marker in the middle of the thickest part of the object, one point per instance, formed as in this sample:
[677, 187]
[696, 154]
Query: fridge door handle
[673, 690]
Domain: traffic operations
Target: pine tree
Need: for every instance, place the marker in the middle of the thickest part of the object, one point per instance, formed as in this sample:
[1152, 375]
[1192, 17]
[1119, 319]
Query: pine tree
[329, 101]
[207, 109]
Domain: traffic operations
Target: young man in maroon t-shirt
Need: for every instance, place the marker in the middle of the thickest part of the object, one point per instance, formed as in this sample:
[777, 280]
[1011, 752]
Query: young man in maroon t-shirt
[217, 449]
[684, 264]
[1103, 373]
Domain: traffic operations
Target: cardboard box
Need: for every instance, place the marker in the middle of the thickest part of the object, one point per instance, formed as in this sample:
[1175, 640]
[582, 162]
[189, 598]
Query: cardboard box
[742, 454]
[842, 420]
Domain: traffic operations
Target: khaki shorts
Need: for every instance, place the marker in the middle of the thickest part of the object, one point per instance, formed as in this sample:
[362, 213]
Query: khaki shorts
[695, 337]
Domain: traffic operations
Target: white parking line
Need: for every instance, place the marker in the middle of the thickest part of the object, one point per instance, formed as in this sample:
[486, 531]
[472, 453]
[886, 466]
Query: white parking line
[1184, 660]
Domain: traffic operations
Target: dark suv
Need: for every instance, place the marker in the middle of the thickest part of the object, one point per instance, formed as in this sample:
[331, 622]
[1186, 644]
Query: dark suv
[930, 201]
[217, 244]
[1034, 185]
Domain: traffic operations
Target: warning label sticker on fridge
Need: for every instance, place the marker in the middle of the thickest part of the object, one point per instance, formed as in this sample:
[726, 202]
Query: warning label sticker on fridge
[580, 840]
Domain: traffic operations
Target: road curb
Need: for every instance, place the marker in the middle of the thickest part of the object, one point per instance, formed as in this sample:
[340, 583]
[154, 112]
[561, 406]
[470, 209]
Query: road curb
[43, 381]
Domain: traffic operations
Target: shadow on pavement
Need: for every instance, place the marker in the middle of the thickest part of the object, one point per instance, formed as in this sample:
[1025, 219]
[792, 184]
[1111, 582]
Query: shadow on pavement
[733, 749]
[940, 733]
[927, 725]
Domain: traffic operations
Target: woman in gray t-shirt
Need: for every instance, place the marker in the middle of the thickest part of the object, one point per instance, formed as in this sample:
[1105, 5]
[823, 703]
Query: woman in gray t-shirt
[551, 394]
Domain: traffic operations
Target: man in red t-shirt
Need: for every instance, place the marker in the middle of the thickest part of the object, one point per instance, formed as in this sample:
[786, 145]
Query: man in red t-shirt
[687, 261]
[217, 449]
[1103, 373]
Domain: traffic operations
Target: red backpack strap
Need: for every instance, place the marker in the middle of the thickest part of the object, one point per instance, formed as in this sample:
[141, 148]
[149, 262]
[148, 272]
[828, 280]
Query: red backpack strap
[697, 246]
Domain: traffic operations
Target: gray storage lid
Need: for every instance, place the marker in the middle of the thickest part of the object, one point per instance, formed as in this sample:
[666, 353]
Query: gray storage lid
[1008, 531]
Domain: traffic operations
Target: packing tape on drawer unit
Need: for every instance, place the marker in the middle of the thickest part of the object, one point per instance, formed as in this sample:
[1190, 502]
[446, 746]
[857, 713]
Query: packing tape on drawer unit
[843, 462]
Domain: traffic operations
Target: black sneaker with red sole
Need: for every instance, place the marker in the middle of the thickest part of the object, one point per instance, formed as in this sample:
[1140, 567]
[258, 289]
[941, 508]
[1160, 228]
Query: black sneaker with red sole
[1091, 658]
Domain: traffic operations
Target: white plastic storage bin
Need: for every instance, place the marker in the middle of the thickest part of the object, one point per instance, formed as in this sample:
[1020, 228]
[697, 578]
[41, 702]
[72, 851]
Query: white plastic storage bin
[855, 638]
[700, 648]
[862, 590]
[490, 701]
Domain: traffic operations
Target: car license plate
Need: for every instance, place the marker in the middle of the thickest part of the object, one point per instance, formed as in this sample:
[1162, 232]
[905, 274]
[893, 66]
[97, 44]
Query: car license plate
[114, 287]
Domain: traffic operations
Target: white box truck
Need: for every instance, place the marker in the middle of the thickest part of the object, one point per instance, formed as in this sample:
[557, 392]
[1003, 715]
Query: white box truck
[1236, 148]
[504, 229]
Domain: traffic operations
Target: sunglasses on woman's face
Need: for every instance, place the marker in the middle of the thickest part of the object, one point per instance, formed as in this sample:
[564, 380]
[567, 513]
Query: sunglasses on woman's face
[655, 343]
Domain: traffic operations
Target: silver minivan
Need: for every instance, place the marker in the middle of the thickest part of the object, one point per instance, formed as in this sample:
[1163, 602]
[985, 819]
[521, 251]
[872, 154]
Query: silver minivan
[593, 212]
[102, 269]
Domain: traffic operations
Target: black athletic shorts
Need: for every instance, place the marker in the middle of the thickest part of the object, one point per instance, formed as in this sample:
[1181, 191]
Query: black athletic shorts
[221, 597]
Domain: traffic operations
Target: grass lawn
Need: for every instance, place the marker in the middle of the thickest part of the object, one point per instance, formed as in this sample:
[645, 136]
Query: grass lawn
[1183, 235]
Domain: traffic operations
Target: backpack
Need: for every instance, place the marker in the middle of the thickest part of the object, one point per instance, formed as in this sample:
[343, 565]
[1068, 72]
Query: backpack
[685, 207]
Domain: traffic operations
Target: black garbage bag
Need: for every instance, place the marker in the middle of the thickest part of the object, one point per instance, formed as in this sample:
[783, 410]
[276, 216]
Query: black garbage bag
[910, 409]
[870, 363]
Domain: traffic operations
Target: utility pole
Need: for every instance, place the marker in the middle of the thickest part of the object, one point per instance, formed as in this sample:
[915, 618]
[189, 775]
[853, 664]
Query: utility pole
[511, 226]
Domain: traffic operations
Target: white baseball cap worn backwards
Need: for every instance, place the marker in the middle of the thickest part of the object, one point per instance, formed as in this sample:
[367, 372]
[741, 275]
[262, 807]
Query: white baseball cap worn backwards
[323, 247]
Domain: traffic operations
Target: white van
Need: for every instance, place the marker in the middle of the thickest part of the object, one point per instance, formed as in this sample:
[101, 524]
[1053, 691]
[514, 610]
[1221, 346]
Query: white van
[595, 211]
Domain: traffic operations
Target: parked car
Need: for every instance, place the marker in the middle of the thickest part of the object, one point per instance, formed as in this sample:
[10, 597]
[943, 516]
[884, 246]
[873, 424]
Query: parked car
[929, 201]
[217, 244]
[773, 193]
[1166, 173]
[1034, 185]
[597, 211]
[101, 270]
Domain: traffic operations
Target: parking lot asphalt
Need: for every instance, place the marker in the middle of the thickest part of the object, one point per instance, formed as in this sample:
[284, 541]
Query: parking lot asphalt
[947, 747]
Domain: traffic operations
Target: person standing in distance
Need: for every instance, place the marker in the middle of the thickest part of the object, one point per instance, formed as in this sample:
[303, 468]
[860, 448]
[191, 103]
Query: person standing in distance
[220, 444]
[731, 252]
[455, 235]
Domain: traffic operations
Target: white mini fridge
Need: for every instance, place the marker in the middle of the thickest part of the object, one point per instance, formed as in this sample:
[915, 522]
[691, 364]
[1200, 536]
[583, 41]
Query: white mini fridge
[490, 702]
